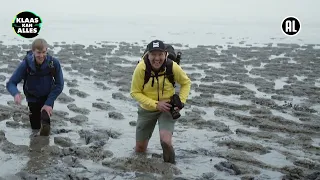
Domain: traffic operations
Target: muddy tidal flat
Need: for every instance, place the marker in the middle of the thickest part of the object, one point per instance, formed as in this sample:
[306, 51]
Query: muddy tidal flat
[253, 113]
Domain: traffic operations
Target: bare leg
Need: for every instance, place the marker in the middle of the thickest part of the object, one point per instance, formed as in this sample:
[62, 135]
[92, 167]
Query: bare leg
[166, 143]
[141, 146]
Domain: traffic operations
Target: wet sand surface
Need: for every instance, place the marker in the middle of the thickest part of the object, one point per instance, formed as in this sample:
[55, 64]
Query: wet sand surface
[253, 113]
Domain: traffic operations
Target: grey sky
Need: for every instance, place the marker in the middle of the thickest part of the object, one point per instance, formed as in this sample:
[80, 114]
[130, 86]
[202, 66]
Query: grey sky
[236, 10]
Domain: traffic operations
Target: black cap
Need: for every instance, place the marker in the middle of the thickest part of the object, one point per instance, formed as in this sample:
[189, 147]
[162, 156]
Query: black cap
[156, 45]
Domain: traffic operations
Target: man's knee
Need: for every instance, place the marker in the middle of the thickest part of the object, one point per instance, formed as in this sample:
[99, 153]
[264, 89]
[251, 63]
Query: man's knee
[141, 146]
[166, 137]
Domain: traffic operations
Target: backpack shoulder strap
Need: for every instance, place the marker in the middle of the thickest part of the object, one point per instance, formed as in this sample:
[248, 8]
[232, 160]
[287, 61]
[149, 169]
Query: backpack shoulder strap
[52, 67]
[169, 73]
[147, 72]
[27, 63]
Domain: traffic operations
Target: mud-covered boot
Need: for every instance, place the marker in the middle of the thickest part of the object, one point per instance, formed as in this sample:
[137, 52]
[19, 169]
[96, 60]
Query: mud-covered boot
[168, 153]
[45, 124]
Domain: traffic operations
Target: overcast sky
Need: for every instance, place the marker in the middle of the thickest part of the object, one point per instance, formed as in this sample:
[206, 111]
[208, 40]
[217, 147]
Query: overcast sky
[237, 10]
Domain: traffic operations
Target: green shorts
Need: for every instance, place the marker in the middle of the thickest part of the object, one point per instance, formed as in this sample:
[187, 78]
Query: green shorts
[147, 121]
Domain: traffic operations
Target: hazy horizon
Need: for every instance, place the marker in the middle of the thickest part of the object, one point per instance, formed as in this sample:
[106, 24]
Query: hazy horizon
[146, 19]
[221, 9]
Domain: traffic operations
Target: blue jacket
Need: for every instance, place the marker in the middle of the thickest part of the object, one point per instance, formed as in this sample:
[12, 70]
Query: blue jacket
[38, 84]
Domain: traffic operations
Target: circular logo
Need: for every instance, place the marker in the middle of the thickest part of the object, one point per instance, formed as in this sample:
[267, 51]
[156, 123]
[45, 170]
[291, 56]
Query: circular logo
[27, 24]
[291, 26]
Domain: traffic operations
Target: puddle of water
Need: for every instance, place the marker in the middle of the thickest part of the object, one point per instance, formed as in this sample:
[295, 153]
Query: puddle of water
[93, 70]
[214, 64]
[286, 116]
[66, 65]
[249, 68]
[18, 136]
[316, 107]
[268, 174]
[274, 158]
[233, 99]
[279, 83]
[11, 164]
[275, 56]
[227, 81]
[316, 142]
[3, 66]
[300, 78]
[292, 61]
[125, 65]
[258, 93]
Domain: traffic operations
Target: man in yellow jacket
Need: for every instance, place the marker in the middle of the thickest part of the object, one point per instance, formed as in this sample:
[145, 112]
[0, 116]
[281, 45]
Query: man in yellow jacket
[154, 97]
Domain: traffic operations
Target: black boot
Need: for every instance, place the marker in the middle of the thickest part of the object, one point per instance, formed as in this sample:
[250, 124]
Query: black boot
[168, 153]
[45, 124]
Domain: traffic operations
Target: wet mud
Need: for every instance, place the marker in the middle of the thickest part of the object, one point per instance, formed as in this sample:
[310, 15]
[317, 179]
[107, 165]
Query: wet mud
[253, 113]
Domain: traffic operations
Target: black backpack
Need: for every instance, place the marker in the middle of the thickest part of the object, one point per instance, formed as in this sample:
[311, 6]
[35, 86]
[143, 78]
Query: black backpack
[168, 65]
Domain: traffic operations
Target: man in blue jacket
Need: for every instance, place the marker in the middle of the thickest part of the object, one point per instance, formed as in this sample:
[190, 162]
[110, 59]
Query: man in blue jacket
[43, 83]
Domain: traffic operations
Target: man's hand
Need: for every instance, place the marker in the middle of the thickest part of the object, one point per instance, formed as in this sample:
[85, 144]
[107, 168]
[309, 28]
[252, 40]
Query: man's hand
[48, 109]
[17, 99]
[163, 106]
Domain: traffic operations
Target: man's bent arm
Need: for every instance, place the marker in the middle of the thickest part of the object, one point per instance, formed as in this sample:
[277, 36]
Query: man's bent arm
[59, 84]
[16, 78]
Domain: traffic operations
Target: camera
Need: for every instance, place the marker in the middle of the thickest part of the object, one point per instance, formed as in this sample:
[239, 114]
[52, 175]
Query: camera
[175, 102]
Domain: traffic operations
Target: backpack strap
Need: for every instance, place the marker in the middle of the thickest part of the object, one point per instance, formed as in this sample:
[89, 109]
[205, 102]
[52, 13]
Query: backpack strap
[169, 73]
[147, 72]
[52, 67]
[27, 63]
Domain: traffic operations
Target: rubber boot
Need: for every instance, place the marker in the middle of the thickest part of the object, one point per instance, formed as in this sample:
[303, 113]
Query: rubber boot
[168, 153]
[45, 124]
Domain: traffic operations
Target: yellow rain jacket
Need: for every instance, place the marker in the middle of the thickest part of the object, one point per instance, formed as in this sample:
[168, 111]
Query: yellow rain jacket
[148, 96]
